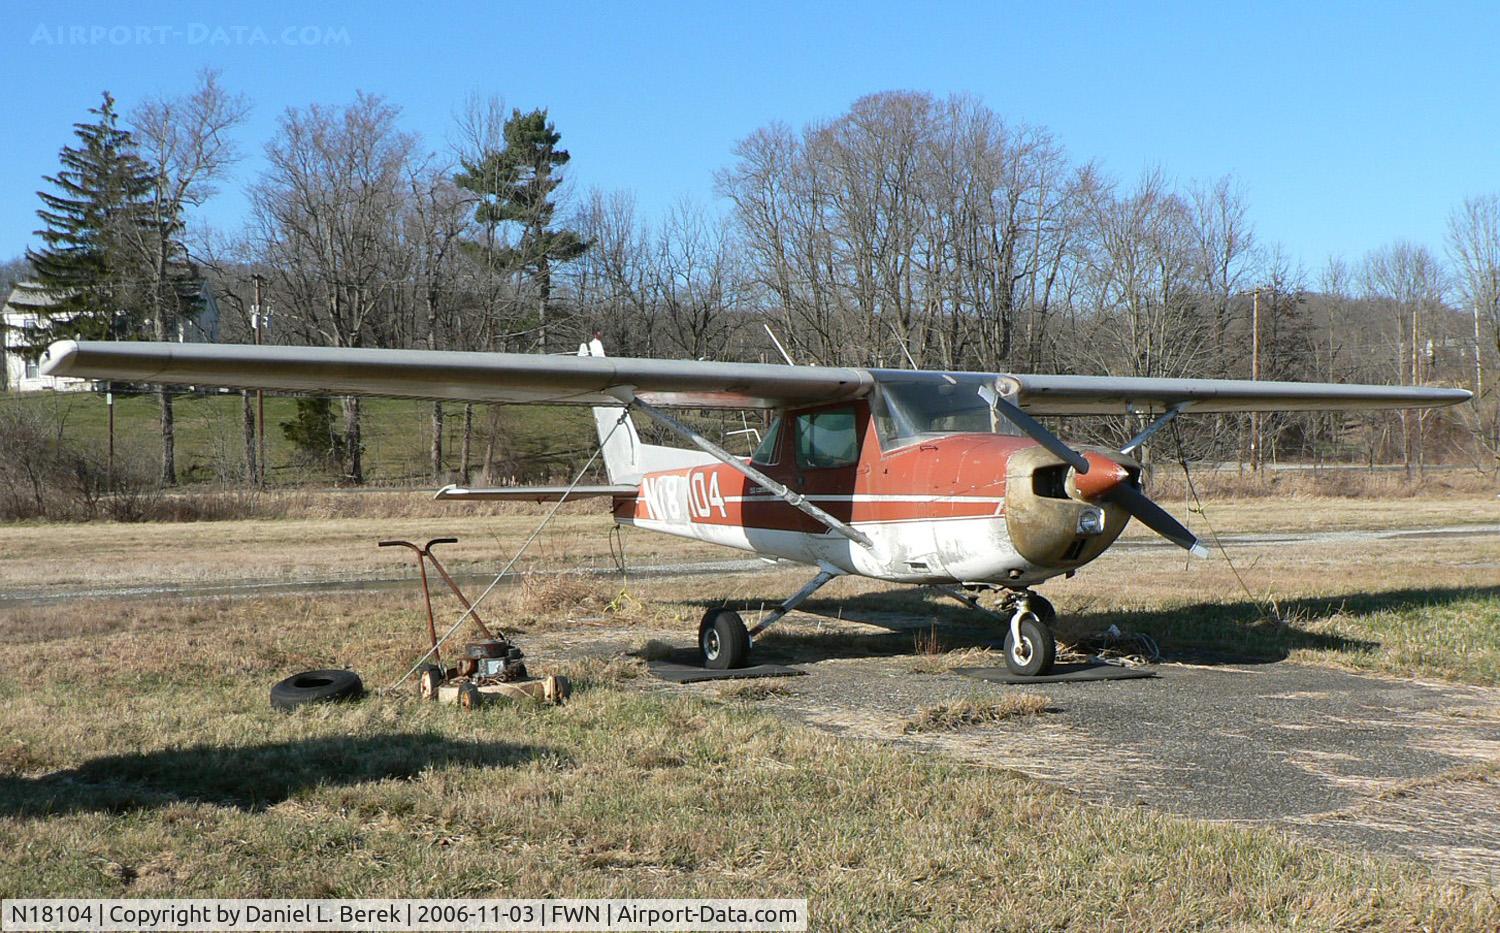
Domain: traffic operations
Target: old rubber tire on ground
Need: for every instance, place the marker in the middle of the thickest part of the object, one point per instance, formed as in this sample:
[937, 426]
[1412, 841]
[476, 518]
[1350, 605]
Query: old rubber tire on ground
[1033, 657]
[316, 687]
[723, 642]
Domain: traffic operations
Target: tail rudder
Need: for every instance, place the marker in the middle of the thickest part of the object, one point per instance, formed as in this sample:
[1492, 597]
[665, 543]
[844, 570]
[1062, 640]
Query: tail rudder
[626, 459]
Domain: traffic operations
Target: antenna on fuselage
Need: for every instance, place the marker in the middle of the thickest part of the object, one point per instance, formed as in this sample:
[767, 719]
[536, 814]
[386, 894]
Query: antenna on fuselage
[779, 348]
[904, 348]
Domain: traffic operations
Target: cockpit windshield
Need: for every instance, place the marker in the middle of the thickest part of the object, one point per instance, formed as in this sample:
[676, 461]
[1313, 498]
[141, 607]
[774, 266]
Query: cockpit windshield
[912, 406]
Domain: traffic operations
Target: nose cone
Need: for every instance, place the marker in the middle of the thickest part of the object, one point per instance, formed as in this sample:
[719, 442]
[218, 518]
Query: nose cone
[1104, 474]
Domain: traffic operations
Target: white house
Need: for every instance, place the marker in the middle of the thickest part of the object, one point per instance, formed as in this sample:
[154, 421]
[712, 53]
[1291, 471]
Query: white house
[23, 311]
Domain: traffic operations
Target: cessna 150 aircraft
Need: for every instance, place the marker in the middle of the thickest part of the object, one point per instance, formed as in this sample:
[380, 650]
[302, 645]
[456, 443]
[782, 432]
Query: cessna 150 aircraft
[909, 476]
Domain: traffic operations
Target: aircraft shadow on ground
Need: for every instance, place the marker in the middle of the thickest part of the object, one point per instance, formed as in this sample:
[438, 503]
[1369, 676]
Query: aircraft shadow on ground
[910, 619]
[1243, 632]
[251, 777]
[1239, 632]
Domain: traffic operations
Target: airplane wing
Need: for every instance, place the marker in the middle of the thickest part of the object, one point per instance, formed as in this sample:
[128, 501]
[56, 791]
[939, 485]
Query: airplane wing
[461, 376]
[587, 380]
[1111, 395]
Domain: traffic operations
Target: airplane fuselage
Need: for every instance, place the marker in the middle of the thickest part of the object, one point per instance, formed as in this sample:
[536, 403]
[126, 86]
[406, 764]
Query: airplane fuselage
[959, 508]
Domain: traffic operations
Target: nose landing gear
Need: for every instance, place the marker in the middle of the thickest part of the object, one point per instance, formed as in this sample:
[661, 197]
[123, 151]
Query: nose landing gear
[1029, 645]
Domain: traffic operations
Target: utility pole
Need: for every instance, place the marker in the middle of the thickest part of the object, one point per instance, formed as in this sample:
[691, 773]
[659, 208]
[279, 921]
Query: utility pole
[1478, 358]
[1255, 374]
[257, 316]
[109, 469]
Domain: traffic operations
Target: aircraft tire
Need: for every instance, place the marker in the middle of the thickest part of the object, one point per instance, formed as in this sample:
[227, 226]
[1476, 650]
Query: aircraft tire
[723, 640]
[1036, 637]
[316, 687]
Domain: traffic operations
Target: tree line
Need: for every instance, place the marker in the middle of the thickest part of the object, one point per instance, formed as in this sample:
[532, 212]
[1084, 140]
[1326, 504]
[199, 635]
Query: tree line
[911, 230]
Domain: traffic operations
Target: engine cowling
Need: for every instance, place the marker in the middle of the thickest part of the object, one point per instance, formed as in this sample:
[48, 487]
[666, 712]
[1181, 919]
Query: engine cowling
[1058, 517]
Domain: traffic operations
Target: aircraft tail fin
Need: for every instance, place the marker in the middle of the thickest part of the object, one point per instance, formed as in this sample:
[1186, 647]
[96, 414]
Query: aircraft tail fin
[626, 459]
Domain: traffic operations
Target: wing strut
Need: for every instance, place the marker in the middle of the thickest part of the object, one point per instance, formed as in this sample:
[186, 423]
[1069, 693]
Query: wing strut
[1155, 426]
[794, 499]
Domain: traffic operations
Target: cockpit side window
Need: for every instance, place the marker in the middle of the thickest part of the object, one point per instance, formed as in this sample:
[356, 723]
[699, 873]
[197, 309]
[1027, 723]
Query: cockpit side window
[827, 439]
[767, 453]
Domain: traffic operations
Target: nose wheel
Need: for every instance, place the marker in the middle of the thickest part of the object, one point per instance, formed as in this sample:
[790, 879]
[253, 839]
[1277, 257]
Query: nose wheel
[1029, 645]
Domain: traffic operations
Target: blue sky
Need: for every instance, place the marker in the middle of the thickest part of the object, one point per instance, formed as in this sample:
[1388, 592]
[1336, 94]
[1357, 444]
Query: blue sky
[1349, 125]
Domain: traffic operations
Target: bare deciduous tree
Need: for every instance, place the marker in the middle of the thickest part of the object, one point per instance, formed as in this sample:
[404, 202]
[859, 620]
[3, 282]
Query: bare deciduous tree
[326, 220]
[1408, 281]
[1474, 246]
[185, 142]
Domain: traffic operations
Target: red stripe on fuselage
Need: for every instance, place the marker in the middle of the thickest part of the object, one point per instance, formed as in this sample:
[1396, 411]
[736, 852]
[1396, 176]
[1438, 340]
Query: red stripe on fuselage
[958, 476]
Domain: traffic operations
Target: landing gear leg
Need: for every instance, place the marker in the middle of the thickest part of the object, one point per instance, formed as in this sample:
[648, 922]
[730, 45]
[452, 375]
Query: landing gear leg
[1038, 604]
[722, 638]
[795, 600]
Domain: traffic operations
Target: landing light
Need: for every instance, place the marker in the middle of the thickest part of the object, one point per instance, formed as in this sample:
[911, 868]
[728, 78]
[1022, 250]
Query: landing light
[1091, 522]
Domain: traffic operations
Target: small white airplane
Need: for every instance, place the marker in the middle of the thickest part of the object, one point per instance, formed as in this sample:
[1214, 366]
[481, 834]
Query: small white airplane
[909, 476]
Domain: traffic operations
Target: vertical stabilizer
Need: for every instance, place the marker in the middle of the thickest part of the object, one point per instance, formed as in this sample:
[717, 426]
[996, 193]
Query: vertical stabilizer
[621, 444]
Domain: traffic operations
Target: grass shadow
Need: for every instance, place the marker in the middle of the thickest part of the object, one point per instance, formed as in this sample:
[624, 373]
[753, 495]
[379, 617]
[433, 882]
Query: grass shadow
[250, 777]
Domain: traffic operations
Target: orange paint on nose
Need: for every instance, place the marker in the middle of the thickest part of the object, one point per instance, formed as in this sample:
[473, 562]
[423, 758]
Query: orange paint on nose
[1104, 474]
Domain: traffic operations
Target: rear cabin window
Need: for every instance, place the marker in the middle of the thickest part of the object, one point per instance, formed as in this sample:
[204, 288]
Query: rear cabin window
[827, 439]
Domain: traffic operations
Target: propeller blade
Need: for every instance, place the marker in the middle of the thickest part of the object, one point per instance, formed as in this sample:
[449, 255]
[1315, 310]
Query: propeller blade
[1155, 517]
[1035, 430]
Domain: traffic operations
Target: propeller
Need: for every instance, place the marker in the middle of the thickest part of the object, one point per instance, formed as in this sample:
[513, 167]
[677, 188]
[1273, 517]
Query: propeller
[1111, 484]
[1129, 497]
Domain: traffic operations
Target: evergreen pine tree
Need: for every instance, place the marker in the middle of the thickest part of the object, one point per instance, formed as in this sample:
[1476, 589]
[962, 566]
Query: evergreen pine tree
[88, 266]
[515, 185]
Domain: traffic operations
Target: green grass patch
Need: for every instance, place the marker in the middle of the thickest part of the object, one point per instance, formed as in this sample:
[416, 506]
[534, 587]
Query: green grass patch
[531, 441]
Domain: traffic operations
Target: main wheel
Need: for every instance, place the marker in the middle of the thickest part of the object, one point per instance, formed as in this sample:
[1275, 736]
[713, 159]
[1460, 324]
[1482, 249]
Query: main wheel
[1033, 656]
[723, 640]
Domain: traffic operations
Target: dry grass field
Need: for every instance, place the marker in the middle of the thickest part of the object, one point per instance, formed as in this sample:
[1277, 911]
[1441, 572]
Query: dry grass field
[333, 536]
[139, 757]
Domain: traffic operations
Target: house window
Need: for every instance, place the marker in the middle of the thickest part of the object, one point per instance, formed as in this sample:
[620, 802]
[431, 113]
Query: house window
[32, 367]
[827, 439]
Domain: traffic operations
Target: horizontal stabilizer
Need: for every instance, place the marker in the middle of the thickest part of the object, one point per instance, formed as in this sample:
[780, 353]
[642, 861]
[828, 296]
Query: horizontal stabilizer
[533, 493]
